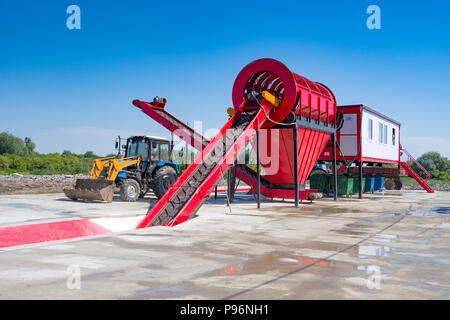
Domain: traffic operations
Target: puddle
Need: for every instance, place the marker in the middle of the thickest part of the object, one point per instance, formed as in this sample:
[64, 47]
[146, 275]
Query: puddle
[411, 259]
[164, 291]
[435, 212]
[442, 210]
[281, 262]
[306, 209]
[383, 237]
[411, 195]
[98, 275]
[421, 285]
[349, 232]
[373, 250]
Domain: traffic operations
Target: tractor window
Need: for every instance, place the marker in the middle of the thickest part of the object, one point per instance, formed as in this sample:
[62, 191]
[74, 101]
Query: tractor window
[136, 148]
[164, 151]
[155, 151]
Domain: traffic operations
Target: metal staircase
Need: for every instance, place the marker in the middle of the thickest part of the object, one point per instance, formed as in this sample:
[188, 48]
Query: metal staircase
[412, 173]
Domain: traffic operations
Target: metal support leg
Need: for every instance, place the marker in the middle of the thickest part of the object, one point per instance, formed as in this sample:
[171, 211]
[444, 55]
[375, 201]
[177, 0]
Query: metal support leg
[233, 181]
[296, 187]
[333, 139]
[229, 185]
[258, 173]
[360, 180]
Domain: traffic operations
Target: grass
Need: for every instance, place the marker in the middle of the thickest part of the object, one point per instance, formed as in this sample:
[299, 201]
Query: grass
[408, 181]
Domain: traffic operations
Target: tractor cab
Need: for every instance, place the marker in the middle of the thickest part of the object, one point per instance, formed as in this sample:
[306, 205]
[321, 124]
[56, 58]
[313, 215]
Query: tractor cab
[151, 149]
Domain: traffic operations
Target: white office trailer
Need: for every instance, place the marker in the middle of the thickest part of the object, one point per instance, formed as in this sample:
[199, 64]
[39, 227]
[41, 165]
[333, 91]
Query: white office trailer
[369, 136]
[368, 139]
[366, 136]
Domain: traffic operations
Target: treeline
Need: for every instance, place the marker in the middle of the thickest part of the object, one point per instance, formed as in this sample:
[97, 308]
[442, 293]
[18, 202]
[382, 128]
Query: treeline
[437, 165]
[18, 156]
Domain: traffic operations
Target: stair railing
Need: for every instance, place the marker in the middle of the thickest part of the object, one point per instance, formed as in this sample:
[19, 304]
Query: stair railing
[411, 159]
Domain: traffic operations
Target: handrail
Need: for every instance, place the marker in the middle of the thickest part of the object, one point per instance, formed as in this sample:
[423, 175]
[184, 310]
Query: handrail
[427, 175]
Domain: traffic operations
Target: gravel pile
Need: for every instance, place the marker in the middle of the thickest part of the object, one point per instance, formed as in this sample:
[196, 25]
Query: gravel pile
[436, 187]
[20, 184]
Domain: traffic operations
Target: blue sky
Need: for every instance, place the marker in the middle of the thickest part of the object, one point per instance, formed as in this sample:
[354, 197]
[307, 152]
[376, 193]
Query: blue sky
[72, 89]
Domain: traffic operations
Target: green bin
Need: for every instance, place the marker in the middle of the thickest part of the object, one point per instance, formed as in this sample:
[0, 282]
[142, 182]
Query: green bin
[344, 185]
[320, 182]
[356, 183]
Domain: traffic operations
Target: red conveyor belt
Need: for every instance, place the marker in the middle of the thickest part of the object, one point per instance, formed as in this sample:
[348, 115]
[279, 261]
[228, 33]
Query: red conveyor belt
[184, 198]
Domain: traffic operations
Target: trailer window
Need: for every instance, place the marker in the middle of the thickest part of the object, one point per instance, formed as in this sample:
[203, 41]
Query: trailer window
[382, 133]
[380, 138]
[393, 136]
[370, 129]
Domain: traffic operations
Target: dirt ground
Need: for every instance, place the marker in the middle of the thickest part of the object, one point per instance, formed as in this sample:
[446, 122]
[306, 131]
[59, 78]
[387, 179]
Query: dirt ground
[32, 184]
[36, 184]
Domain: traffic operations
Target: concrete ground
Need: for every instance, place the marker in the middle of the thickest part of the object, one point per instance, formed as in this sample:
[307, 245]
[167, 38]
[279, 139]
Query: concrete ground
[387, 246]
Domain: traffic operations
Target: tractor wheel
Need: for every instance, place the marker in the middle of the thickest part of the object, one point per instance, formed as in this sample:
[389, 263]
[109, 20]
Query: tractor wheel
[164, 177]
[389, 184]
[129, 190]
[398, 184]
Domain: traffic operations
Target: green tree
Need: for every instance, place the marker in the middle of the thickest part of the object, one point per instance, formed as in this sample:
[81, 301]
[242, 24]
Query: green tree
[29, 145]
[437, 165]
[18, 163]
[4, 163]
[89, 154]
[11, 144]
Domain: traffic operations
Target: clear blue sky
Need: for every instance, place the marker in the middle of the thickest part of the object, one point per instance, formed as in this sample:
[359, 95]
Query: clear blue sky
[72, 89]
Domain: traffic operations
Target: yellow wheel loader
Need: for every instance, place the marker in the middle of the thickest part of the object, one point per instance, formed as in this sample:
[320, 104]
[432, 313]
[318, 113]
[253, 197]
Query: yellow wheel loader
[146, 165]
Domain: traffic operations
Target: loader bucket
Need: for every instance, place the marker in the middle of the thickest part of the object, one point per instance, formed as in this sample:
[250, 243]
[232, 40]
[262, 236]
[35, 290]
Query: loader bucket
[91, 189]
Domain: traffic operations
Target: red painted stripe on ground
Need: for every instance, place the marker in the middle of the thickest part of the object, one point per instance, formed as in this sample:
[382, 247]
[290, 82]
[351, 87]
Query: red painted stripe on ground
[43, 232]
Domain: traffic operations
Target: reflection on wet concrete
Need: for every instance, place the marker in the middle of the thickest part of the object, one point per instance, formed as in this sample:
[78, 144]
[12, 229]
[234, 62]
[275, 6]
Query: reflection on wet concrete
[442, 210]
[427, 286]
[281, 262]
[98, 275]
[383, 237]
[373, 251]
[163, 291]
[435, 211]
[308, 209]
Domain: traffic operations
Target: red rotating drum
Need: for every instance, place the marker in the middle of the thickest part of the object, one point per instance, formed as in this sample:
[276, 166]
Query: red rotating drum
[300, 99]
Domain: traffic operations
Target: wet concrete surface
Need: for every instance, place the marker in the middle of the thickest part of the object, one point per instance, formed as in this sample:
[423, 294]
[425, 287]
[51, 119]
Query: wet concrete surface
[386, 246]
